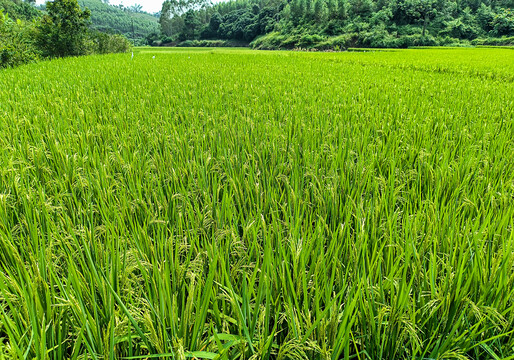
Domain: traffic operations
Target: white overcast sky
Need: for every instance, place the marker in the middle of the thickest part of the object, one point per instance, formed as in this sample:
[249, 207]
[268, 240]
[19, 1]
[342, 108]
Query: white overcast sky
[148, 5]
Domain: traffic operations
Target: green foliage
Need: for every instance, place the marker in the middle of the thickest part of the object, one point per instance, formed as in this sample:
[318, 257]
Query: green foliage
[130, 22]
[18, 9]
[503, 41]
[191, 25]
[235, 204]
[212, 43]
[503, 23]
[63, 29]
[370, 39]
[16, 44]
[103, 43]
[376, 23]
[172, 13]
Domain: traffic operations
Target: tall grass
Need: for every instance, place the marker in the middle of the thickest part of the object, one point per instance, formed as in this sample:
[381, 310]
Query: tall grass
[254, 205]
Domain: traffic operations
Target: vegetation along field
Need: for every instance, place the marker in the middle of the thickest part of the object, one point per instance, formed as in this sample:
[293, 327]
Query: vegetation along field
[235, 204]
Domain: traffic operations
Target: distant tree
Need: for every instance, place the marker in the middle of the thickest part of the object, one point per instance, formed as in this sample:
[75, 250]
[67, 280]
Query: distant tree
[331, 9]
[485, 16]
[318, 10]
[307, 8]
[63, 29]
[215, 22]
[266, 19]
[422, 10]
[175, 8]
[297, 11]
[342, 9]
[191, 24]
[165, 18]
[362, 8]
[503, 23]
[137, 8]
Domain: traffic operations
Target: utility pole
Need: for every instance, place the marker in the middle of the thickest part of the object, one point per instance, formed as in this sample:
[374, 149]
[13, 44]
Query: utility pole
[133, 34]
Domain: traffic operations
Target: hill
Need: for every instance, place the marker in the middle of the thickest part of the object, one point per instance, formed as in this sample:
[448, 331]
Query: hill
[111, 19]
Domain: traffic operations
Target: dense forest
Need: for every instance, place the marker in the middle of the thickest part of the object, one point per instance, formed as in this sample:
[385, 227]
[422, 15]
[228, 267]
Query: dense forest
[337, 24]
[63, 29]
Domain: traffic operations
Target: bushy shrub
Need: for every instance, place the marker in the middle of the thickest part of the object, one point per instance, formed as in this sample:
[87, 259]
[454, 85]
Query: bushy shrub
[503, 41]
[212, 43]
[308, 41]
[459, 29]
[290, 42]
[271, 40]
[335, 43]
[379, 38]
[16, 44]
[417, 40]
[108, 43]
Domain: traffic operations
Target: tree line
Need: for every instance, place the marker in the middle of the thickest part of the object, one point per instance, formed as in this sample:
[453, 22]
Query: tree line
[27, 35]
[334, 24]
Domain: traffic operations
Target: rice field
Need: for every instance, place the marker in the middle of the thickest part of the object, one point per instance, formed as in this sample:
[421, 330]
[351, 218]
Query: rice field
[235, 204]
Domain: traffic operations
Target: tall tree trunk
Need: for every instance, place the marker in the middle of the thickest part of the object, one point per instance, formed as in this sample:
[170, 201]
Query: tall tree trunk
[425, 24]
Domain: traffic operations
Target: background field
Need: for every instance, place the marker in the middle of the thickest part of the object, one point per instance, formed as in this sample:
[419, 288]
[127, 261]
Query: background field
[236, 204]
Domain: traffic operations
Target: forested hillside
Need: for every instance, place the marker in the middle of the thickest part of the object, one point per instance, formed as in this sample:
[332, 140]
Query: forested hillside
[107, 18]
[336, 24]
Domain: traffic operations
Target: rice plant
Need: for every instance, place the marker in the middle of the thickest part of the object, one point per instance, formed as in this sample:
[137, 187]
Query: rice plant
[235, 204]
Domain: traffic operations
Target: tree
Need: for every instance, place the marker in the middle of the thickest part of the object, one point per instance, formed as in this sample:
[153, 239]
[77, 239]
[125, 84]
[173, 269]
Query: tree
[63, 29]
[503, 23]
[342, 13]
[318, 10]
[191, 24]
[308, 15]
[332, 9]
[136, 8]
[362, 8]
[215, 22]
[165, 19]
[172, 9]
[422, 10]
[297, 11]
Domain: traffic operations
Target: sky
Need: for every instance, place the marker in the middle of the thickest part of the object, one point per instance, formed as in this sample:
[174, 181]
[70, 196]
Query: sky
[148, 5]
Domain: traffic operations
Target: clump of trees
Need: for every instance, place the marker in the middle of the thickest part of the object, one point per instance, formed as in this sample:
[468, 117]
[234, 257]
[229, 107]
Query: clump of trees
[62, 31]
[335, 24]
